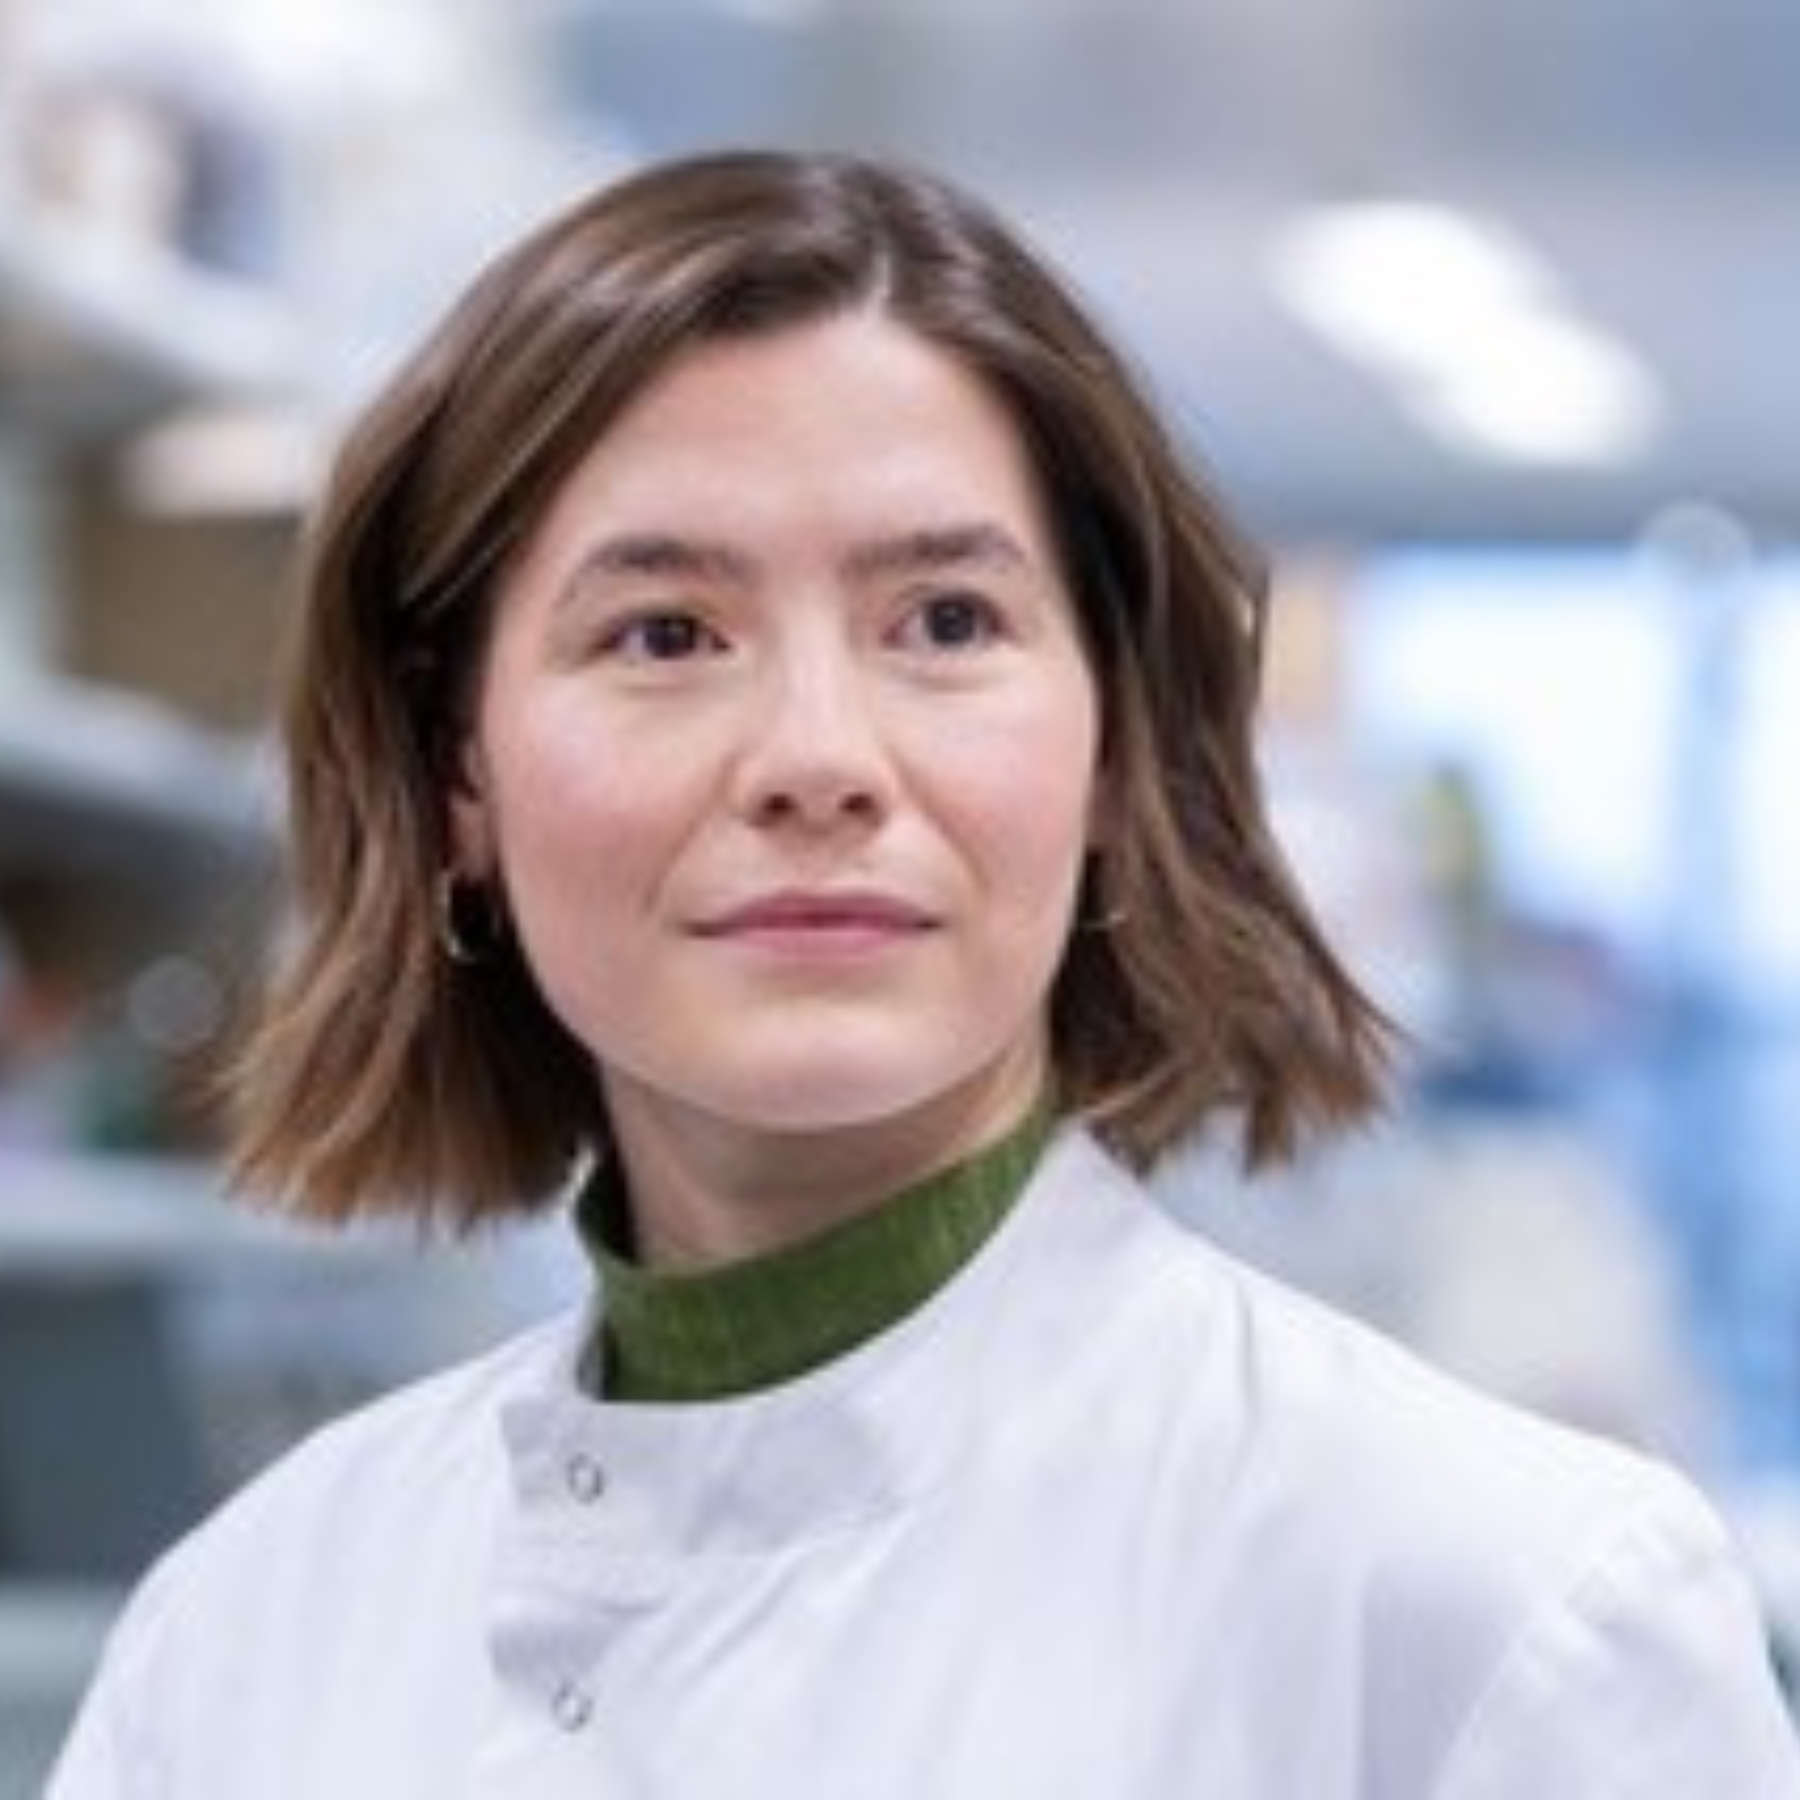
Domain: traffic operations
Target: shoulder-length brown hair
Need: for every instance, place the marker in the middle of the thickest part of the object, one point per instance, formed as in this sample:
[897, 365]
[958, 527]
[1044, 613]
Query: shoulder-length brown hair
[383, 1075]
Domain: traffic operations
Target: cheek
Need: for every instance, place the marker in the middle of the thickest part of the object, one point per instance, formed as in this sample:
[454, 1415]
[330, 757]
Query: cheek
[564, 817]
[580, 867]
[1032, 807]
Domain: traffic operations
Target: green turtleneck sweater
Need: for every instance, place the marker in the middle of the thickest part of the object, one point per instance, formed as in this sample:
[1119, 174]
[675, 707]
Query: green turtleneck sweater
[706, 1334]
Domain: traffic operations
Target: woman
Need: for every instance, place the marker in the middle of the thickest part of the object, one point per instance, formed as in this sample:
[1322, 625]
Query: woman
[771, 746]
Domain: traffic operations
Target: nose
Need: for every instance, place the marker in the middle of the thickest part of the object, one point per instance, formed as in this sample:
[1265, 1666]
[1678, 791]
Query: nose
[813, 755]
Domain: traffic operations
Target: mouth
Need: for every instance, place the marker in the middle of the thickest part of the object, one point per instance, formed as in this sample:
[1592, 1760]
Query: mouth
[823, 922]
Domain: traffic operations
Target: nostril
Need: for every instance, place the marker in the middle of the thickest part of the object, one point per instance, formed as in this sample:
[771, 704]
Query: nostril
[818, 804]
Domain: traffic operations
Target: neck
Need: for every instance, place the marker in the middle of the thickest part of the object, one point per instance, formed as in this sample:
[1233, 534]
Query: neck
[706, 1191]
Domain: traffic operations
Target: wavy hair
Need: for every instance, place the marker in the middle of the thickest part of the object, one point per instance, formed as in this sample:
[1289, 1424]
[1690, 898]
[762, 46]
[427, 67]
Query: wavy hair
[381, 1076]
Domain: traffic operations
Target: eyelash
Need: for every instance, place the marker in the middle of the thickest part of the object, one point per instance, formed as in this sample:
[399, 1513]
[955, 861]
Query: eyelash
[634, 639]
[630, 639]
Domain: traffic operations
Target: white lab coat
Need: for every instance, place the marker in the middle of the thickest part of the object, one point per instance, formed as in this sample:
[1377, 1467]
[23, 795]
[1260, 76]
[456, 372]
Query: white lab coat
[1110, 1518]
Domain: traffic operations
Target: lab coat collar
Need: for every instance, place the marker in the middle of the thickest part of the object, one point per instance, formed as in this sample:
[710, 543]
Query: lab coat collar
[647, 1487]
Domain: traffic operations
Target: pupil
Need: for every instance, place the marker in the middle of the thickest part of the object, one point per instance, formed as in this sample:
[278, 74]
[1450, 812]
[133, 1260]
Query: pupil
[953, 621]
[670, 635]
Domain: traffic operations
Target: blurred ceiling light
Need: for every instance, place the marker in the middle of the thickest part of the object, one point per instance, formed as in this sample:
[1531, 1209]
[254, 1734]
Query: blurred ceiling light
[344, 50]
[1469, 327]
[215, 462]
[1403, 284]
[1547, 389]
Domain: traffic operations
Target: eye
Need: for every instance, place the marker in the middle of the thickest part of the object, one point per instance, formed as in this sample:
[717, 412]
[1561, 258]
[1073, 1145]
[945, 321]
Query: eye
[956, 621]
[662, 637]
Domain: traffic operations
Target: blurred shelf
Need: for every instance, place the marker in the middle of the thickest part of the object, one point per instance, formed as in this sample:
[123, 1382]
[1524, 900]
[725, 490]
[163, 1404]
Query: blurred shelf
[72, 1215]
[51, 1638]
[100, 782]
[51, 1634]
[66, 1215]
[97, 338]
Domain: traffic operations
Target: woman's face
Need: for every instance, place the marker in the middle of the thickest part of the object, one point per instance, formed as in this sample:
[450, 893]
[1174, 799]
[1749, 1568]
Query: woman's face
[785, 748]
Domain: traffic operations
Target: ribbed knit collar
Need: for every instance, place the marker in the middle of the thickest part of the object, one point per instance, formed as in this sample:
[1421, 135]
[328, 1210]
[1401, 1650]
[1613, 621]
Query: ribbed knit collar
[708, 1334]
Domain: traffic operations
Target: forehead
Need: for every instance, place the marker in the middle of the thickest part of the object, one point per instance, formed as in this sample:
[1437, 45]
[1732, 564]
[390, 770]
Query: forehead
[787, 445]
[814, 388]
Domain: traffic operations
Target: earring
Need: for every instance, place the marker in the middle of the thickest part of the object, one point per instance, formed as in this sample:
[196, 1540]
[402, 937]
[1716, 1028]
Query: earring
[1094, 915]
[470, 927]
[1101, 923]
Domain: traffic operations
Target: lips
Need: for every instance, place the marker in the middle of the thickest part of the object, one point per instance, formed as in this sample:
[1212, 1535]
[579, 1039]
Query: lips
[822, 920]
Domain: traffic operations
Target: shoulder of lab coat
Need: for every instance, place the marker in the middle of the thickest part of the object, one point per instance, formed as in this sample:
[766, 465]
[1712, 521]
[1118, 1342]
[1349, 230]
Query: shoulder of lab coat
[1562, 1614]
[330, 1512]
[1333, 1573]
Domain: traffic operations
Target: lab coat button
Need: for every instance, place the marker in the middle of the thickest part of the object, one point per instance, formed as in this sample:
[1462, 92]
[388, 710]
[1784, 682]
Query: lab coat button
[572, 1706]
[586, 1478]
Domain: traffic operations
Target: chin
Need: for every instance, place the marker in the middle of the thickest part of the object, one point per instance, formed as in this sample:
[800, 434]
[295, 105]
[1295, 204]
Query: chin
[824, 1089]
[822, 1109]
[820, 1094]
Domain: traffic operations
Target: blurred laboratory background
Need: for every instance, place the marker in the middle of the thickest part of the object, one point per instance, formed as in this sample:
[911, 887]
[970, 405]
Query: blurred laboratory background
[1485, 315]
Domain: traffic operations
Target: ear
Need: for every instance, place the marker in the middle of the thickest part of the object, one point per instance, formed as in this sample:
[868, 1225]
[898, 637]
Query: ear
[469, 808]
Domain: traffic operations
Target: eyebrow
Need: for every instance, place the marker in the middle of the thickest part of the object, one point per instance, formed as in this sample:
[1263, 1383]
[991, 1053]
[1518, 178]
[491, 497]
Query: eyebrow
[659, 553]
[937, 548]
[928, 550]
